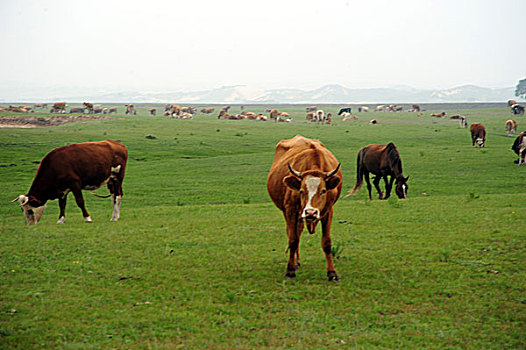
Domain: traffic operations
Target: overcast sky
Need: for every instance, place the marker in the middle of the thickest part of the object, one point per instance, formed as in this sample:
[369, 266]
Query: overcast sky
[194, 44]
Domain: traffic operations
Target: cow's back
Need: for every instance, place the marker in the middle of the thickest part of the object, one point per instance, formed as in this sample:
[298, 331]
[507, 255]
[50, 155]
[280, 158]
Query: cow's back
[302, 153]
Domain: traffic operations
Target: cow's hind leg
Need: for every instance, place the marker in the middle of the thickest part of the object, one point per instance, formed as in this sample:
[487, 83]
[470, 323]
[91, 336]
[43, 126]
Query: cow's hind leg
[366, 176]
[115, 188]
[62, 207]
[376, 183]
[77, 192]
[327, 247]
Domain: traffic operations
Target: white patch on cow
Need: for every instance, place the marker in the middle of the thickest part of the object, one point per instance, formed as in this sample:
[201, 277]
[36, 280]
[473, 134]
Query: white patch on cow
[116, 208]
[32, 214]
[61, 220]
[88, 219]
[116, 169]
[312, 188]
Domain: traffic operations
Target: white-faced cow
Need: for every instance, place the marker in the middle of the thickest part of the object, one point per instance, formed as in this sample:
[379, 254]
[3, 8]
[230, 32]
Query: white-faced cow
[304, 182]
[73, 168]
[478, 134]
[519, 147]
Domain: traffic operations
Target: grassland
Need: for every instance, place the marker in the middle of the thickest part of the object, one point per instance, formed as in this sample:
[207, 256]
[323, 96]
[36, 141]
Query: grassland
[198, 257]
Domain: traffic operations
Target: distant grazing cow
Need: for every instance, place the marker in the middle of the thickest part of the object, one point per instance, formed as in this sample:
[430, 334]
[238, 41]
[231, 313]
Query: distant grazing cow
[519, 147]
[304, 182]
[273, 114]
[207, 110]
[191, 110]
[105, 110]
[76, 110]
[310, 117]
[311, 109]
[463, 123]
[58, 107]
[39, 105]
[73, 168]
[97, 110]
[346, 114]
[344, 110]
[345, 119]
[363, 109]
[511, 127]
[511, 103]
[112, 110]
[88, 106]
[153, 112]
[478, 134]
[130, 109]
[226, 108]
[379, 108]
[456, 116]
[517, 109]
[416, 108]
[438, 115]
[373, 122]
[398, 108]
[320, 115]
[420, 114]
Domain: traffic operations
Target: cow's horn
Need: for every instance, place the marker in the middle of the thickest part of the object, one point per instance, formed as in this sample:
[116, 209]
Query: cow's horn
[14, 200]
[330, 173]
[297, 173]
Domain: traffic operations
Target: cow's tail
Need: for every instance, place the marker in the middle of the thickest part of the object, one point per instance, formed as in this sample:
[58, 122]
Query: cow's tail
[359, 173]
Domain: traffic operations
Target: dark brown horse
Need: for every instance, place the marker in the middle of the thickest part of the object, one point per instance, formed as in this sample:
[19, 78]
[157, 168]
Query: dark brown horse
[382, 161]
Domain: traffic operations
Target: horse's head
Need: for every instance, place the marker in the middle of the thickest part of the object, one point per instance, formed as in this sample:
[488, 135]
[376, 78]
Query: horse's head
[401, 187]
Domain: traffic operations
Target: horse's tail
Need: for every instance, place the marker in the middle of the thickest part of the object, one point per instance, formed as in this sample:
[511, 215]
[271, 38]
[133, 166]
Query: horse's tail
[359, 173]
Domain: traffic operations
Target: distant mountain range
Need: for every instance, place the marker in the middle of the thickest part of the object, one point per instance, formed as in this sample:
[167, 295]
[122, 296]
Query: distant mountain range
[247, 94]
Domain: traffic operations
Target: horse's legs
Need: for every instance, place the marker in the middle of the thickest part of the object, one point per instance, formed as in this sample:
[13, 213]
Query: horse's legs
[388, 186]
[366, 175]
[376, 183]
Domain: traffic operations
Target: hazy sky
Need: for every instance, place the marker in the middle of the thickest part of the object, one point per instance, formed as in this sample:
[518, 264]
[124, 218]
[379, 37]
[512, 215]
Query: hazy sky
[194, 44]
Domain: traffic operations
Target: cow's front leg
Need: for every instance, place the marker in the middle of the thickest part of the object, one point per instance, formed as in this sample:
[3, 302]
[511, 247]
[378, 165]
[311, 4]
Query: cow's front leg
[80, 202]
[326, 245]
[293, 233]
[62, 207]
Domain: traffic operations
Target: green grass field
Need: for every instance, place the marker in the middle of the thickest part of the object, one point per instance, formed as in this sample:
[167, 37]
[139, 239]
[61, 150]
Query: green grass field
[198, 257]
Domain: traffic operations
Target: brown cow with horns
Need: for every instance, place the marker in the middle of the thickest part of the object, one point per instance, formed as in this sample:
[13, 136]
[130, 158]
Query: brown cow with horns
[304, 182]
[73, 168]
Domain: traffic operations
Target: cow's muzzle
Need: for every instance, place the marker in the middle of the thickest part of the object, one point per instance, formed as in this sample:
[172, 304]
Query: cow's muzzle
[310, 215]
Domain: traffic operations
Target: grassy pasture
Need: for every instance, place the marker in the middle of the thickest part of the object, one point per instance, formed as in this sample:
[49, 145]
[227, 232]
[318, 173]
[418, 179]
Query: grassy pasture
[198, 257]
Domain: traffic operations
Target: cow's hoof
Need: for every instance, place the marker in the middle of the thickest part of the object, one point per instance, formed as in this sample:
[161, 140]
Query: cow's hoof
[88, 219]
[332, 276]
[291, 275]
[61, 220]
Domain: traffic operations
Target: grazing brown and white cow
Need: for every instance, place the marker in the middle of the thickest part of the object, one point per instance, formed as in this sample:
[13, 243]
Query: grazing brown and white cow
[363, 109]
[439, 115]
[416, 107]
[76, 110]
[478, 134]
[379, 108]
[153, 112]
[58, 107]
[130, 109]
[511, 127]
[511, 103]
[304, 182]
[112, 110]
[310, 109]
[88, 106]
[73, 168]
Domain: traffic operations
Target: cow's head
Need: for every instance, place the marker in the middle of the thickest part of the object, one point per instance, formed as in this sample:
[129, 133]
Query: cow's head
[32, 208]
[480, 142]
[402, 187]
[312, 187]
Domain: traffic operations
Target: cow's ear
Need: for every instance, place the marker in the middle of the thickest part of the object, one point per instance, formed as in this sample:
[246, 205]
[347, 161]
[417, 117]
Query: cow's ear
[292, 182]
[332, 182]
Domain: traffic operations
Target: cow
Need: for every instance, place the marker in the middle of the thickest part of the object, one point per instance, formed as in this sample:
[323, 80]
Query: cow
[89, 107]
[379, 108]
[304, 182]
[420, 114]
[40, 105]
[105, 110]
[511, 127]
[73, 168]
[398, 108]
[153, 111]
[478, 134]
[344, 110]
[112, 110]
[273, 114]
[519, 147]
[76, 110]
[310, 109]
[438, 115]
[345, 119]
[363, 109]
[58, 107]
[320, 115]
[190, 110]
[310, 117]
[463, 123]
[416, 108]
[373, 122]
[511, 103]
[130, 109]
[207, 110]
[517, 109]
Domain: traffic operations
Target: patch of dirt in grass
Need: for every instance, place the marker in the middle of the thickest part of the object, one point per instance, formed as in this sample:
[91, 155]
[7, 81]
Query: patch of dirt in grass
[33, 122]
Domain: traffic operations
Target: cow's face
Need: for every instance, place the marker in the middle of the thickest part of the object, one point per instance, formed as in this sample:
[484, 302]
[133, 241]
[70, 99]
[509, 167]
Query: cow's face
[480, 142]
[312, 188]
[32, 208]
[402, 187]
